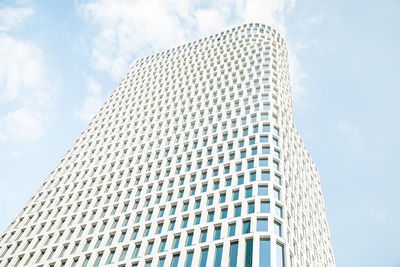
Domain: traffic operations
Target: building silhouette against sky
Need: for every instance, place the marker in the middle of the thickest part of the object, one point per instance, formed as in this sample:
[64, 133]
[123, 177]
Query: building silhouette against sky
[194, 160]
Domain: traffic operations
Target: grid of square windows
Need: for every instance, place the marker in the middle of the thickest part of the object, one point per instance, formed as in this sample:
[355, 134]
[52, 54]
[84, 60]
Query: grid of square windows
[188, 145]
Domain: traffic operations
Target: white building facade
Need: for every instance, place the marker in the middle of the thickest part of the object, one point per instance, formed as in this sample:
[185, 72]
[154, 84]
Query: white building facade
[194, 160]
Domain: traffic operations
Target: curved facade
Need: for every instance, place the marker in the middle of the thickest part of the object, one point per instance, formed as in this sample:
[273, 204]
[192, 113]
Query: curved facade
[194, 160]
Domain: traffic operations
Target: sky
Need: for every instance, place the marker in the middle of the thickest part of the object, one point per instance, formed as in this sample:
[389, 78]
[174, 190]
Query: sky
[60, 60]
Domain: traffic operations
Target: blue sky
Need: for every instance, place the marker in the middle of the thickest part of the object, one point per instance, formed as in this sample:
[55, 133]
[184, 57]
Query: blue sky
[59, 60]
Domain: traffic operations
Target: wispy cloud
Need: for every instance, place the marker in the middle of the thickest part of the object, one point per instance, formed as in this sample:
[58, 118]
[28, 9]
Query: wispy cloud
[92, 102]
[129, 29]
[23, 84]
[22, 124]
[12, 16]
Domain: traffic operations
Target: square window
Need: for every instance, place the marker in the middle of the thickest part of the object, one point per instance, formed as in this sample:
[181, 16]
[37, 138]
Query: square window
[262, 225]
[265, 176]
[263, 162]
[263, 190]
[249, 192]
[264, 207]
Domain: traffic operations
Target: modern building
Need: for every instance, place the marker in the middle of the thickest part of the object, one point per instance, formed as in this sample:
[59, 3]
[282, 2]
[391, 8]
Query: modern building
[194, 160]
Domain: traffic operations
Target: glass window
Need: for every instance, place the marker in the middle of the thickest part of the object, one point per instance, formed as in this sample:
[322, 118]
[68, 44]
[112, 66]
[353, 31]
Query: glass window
[189, 239]
[176, 242]
[222, 198]
[262, 225]
[203, 236]
[149, 248]
[136, 252]
[162, 245]
[252, 177]
[203, 259]
[161, 262]
[123, 254]
[218, 256]
[278, 179]
[235, 195]
[233, 253]
[266, 128]
[159, 228]
[265, 253]
[280, 255]
[189, 259]
[250, 208]
[276, 131]
[232, 229]
[224, 213]
[175, 260]
[263, 162]
[238, 210]
[278, 211]
[248, 262]
[217, 233]
[97, 261]
[240, 179]
[246, 227]
[211, 216]
[277, 193]
[264, 207]
[264, 139]
[172, 225]
[265, 176]
[278, 228]
[197, 204]
[263, 190]
[250, 164]
[249, 192]
[184, 223]
[276, 165]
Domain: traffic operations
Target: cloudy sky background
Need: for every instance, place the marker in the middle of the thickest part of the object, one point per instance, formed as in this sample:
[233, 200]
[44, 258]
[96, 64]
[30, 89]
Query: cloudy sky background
[60, 60]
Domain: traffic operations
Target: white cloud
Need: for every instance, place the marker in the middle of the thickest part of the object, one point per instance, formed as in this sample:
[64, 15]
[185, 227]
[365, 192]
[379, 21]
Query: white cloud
[22, 72]
[10, 17]
[23, 85]
[22, 124]
[92, 102]
[129, 29]
[208, 20]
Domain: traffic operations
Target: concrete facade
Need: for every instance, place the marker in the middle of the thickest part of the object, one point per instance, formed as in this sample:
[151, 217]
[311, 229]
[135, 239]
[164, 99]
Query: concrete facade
[194, 160]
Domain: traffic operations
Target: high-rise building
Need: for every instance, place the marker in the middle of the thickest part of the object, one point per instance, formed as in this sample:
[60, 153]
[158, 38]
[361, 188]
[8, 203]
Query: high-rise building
[194, 160]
